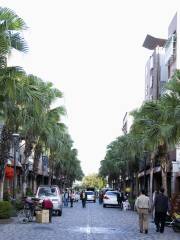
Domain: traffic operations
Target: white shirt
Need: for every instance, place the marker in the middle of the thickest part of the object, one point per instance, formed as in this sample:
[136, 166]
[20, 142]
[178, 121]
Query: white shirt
[142, 202]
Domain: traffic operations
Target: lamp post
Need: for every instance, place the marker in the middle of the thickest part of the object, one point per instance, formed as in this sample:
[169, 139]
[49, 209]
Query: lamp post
[15, 146]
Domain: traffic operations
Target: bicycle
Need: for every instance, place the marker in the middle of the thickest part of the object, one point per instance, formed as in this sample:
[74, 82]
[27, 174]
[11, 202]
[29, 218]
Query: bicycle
[27, 214]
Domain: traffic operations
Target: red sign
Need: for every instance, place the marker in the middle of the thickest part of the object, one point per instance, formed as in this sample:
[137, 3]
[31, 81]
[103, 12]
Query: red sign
[9, 172]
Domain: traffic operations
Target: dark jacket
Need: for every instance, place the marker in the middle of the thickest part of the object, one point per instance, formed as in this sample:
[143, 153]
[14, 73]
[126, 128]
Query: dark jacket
[161, 203]
[83, 198]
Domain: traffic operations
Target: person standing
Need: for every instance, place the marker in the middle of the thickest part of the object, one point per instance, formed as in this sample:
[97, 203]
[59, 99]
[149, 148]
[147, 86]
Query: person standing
[48, 205]
[142, 205]
[72, 197]
[83, 198]
[119, 200]
[161, 208]
[66, 198]
[100, 197]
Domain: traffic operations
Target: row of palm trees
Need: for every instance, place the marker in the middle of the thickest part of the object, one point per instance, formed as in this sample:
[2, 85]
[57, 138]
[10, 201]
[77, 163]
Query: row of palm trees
[155, 130]
[26, 107]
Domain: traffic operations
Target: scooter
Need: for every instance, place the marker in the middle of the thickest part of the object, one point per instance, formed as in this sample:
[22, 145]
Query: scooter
[173, 221]
[176, 222]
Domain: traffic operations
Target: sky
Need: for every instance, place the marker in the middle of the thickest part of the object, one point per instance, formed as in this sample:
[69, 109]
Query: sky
[92, 51]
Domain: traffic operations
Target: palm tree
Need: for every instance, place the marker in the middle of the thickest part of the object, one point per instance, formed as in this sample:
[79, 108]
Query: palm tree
[50, 139]
[39, 126]
[149, 120]
[10, 38]
[11, 26]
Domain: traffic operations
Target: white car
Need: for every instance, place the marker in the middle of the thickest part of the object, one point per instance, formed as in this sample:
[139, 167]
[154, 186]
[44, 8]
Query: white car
[110, 198]
[53, 193]
[90, 196]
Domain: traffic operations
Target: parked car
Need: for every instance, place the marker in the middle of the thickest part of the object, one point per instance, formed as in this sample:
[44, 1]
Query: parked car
[53, 193]
[91, 196]
[110, 198]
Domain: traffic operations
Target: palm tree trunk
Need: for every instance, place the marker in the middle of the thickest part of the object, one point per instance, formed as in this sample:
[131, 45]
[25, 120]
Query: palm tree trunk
[151, 176]
[29, 140]
[1, 189]
[34, 183]
[49, 179]
[164, 165]
[24, 184]
[164, 180]
[5, 145]
[137, 185]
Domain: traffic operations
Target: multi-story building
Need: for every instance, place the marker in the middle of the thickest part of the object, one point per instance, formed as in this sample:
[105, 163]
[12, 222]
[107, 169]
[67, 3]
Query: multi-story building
[172, 46]
[127, 122]
[172, 61]
[160, 67]
[156, 72]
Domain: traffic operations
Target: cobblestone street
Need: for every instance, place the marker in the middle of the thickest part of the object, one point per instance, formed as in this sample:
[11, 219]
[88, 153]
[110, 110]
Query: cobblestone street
[92, 223]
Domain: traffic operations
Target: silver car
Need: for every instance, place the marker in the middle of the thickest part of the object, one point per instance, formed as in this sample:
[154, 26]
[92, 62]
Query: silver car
[53, 193]
[91, 196]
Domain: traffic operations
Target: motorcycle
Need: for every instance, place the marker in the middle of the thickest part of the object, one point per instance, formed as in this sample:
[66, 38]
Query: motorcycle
[173, 221]
[176, 222]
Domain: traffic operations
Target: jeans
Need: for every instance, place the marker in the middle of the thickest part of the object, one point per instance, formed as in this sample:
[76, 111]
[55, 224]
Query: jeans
[71, 201]
[83, 203]
[65, 202]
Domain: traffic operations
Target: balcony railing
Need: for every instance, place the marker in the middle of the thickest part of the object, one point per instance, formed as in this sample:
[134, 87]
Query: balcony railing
[170, 49]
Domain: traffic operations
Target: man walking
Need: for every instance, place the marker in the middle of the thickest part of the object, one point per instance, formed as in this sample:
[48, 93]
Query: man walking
[83, 198]
[142, 205]
[161, 207]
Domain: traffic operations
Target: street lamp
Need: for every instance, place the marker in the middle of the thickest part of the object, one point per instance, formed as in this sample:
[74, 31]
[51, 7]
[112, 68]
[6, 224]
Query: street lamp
[15, 146]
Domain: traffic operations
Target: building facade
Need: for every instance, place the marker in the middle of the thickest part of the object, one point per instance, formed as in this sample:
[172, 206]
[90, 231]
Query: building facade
[160, 67]
[156, 71]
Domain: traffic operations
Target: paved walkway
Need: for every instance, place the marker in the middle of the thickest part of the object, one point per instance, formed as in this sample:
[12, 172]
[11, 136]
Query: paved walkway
[91, 223]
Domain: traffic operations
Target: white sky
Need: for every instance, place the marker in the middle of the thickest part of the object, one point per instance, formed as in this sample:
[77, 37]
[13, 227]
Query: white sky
[92, 51]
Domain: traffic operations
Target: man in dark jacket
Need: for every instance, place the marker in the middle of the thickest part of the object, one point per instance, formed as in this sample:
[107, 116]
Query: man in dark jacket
[83, 197]
[161, 207]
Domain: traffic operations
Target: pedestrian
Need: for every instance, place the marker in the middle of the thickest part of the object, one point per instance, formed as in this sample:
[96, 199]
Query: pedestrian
[66, 198]
[48, 205]
[100, 197]
[161, 207]
[83, 198]
[142, 205]
[72, 198]
[119, 200]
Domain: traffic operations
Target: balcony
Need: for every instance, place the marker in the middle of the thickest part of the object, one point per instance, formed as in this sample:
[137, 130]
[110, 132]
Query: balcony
[170, 50]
